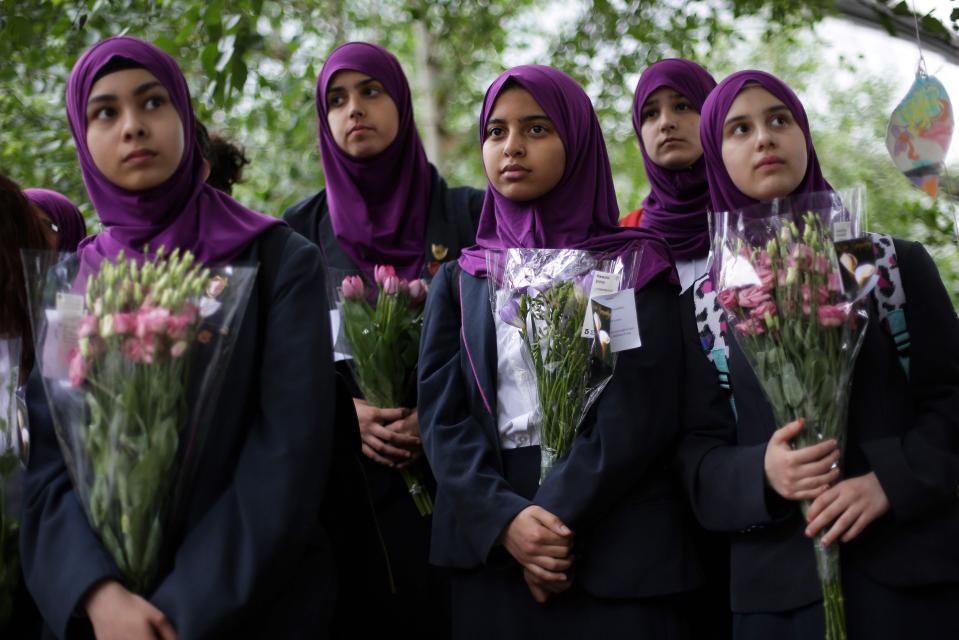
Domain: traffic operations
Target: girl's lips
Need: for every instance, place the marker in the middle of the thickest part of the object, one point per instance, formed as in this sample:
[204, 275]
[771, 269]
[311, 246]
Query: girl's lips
[513, 173]
[140, 156]
[770, 163]
[361, 129]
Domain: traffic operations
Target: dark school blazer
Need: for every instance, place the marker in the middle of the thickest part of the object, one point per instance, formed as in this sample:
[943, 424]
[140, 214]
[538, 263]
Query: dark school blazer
[617, 489]
[905, 430]
[251, 558]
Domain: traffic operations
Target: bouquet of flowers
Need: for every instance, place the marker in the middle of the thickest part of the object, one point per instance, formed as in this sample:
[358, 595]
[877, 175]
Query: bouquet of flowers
[780, 284]
[549, 296]
[145, 347]
[10, 455]
[383, 339]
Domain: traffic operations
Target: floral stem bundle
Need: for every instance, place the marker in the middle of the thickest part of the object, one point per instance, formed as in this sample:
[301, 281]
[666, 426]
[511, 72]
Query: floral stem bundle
[781, 289]
[384, 339]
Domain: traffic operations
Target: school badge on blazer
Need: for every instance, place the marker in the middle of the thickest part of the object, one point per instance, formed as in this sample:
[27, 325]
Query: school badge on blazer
[440, 251]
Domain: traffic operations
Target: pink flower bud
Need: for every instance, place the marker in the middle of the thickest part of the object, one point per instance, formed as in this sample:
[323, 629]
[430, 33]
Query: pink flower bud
[88, 326]
[78, 369]
[417, 291]
[382, 272]
[832, 315]
[727, 299]
[353, 288]
[750, 297]
[391, 285]
[124, 323]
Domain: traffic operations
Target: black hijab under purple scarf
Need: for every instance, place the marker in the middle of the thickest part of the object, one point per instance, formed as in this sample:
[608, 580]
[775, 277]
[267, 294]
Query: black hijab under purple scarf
[675, 208]
[724, 194]
[379, 205]
[578, 213]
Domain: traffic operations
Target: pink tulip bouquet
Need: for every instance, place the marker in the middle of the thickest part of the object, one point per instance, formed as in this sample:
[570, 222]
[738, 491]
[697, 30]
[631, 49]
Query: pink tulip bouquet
[383, 337]
[780, 286]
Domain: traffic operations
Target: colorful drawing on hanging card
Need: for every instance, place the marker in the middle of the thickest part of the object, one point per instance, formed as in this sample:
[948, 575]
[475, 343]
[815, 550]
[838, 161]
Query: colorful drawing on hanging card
[920, 131]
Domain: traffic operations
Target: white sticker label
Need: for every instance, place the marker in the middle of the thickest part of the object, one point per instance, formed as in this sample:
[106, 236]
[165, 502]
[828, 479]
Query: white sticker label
[623, 332]
[841, 230]
[604, 283]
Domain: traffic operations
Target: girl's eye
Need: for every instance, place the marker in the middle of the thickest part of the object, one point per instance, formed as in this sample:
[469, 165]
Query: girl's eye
[537, 129]
[779, 121]
[683, 106]
[649, 113]
[334, 101]
[103, 113]
[740, 129]
[371, 91]
[155, 102]
[494, 132]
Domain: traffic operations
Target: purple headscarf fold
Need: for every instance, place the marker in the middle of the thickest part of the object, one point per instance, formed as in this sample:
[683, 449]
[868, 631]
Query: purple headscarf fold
[379, 205]
[675, 209]
[182, 212]
[724, 194]
[71, 228]
[578, 213]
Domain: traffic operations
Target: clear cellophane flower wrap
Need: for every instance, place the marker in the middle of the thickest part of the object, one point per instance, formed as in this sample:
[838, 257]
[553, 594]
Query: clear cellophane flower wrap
[380, 324]
[545, 294]
[780, 283]
[13, 446]
[132, 360]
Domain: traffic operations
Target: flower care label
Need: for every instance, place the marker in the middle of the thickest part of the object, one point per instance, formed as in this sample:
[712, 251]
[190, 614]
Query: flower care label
[603, 283]
[62, 322]
[623, 331]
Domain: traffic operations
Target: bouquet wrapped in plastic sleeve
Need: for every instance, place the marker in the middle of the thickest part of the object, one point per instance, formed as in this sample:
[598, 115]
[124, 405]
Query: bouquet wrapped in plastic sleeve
[799, 325]
[553, 299]
[132, 361]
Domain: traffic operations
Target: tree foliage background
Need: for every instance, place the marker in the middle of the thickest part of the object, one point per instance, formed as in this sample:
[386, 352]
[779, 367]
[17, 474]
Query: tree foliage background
[252, 67]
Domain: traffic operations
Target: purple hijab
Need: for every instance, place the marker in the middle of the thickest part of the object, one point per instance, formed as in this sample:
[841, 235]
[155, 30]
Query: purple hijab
[675, 208]
[182, 212]
[378, 206]
[578, 213]
[724, 194]
[71, 228]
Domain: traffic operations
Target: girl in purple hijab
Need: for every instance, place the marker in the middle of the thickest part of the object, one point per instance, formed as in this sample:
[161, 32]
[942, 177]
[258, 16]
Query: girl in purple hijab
[590, 552]
[893, 510]
[60, 216]
[383, 203]
[669, 96]
[244, 551]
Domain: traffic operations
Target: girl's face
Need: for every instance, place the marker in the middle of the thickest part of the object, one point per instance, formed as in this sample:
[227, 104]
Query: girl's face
[523, 154]
[134, 132]
[670, 129]
[362, 116]
[764, 149]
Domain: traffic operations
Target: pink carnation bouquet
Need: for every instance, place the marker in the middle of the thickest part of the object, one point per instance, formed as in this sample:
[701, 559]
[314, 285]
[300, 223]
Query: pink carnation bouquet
[780, 286]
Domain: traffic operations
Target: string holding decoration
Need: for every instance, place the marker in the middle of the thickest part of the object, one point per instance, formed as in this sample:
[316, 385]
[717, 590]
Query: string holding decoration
[920, 129]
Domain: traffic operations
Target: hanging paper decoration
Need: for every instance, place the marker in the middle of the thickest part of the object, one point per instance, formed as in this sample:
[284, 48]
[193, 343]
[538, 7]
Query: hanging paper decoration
[920, 131]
